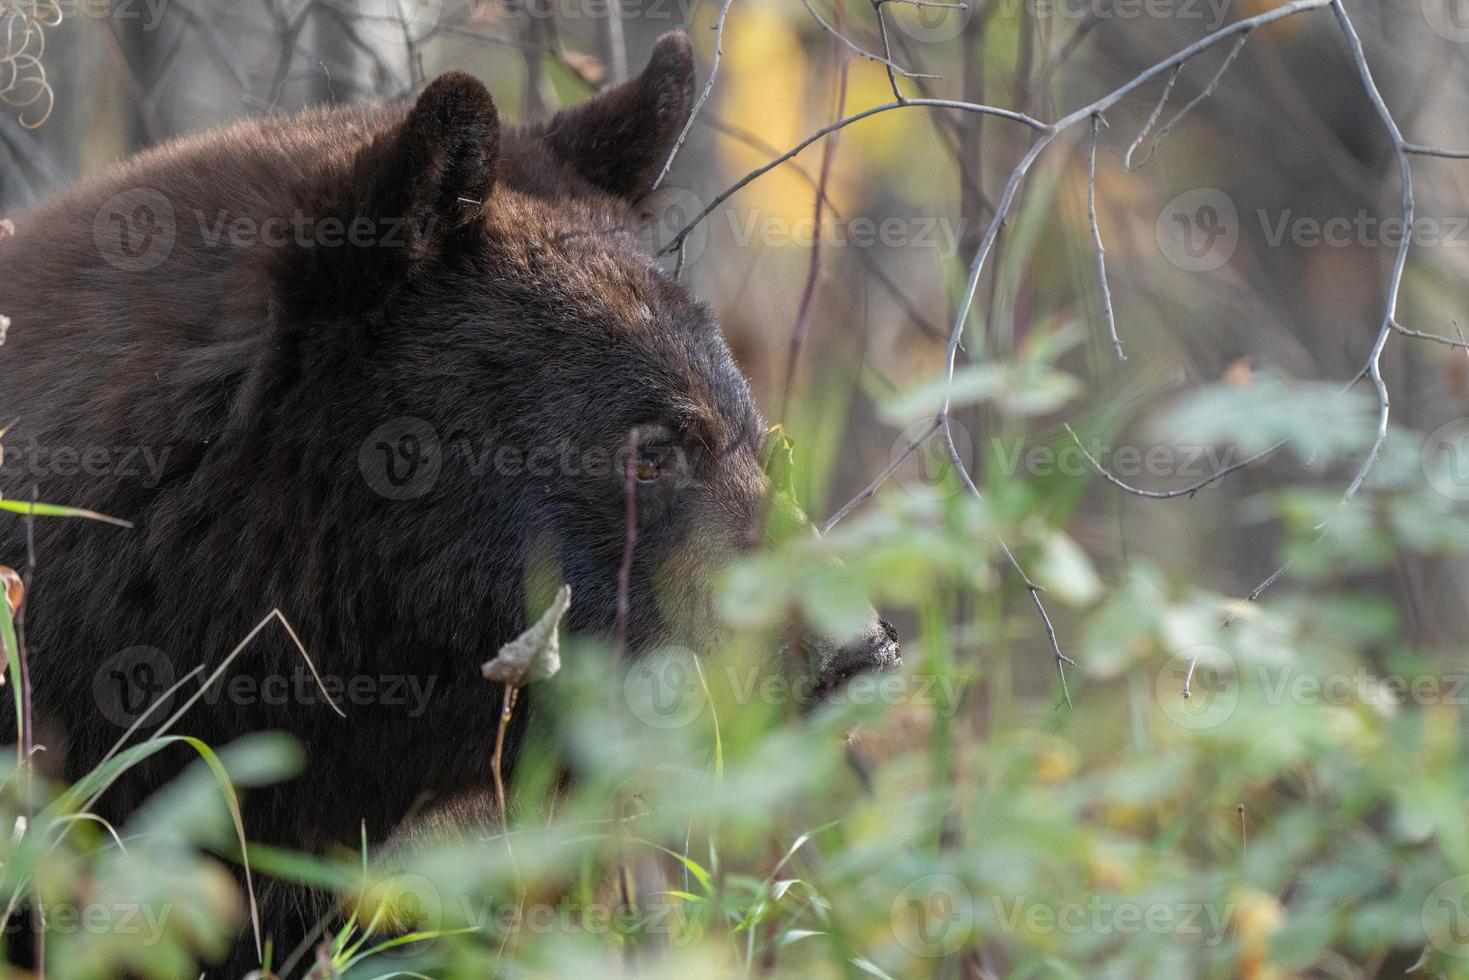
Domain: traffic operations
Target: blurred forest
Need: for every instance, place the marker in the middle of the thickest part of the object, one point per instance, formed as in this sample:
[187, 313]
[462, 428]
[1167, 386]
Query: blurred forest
[1249, 258]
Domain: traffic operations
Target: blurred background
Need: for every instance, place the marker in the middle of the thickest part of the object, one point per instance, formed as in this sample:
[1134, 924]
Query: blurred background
[1249, 258]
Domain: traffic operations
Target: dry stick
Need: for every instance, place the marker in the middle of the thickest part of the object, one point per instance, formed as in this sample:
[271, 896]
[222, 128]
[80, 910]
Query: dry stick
[497, 771]
[872, 487]
[813, 274]
[1153, 117]
[1373, 368]
[1433, 151]
[624, 575]
[677, 242]
[1446, 341]
[1187, 491]
[1208, 90]
[872, 265]
[1400, 260]
[1101, 252]
[683, 134]
[27, 731]
[857, 48]
[887, 51]
[1048, 134]
[1002, 211]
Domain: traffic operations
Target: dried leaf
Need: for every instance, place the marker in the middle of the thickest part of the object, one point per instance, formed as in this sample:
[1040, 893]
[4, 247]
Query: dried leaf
[1240, 373]
[15, 589]
[534, 655]
[588, 68]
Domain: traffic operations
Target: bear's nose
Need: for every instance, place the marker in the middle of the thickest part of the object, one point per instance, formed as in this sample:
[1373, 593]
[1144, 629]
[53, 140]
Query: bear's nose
[874, 650]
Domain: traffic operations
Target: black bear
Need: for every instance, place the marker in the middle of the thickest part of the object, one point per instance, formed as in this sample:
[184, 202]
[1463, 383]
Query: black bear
[369, 366]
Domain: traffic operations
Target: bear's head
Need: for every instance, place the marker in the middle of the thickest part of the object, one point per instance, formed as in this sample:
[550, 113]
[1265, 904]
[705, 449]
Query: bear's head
[520, 379]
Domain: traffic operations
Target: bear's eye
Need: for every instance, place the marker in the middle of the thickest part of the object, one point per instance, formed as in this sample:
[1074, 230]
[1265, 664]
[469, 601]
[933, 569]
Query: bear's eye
[647, 469]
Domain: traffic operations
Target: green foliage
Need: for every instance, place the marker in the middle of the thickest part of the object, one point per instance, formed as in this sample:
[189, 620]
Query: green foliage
[1301, 809]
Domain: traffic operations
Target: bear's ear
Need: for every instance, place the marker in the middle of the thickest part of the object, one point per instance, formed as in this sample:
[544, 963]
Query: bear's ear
[620, 140]
[435, 171]
[406, 197]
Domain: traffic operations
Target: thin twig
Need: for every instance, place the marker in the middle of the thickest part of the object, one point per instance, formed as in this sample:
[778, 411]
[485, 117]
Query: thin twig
[813, 273]
[683, 134]
[624, 575]
[857, 48]
[1101, 252]
[1187, 491]
[1152, 117]
[1208, 90]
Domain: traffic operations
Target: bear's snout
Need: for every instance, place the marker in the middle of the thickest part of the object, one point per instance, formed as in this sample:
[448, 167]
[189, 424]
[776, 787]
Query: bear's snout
[875, 649]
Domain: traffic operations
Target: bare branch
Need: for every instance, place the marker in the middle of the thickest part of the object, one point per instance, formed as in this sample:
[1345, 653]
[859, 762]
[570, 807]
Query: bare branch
[1101, 252]
[683, 134]
[1152, 119]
